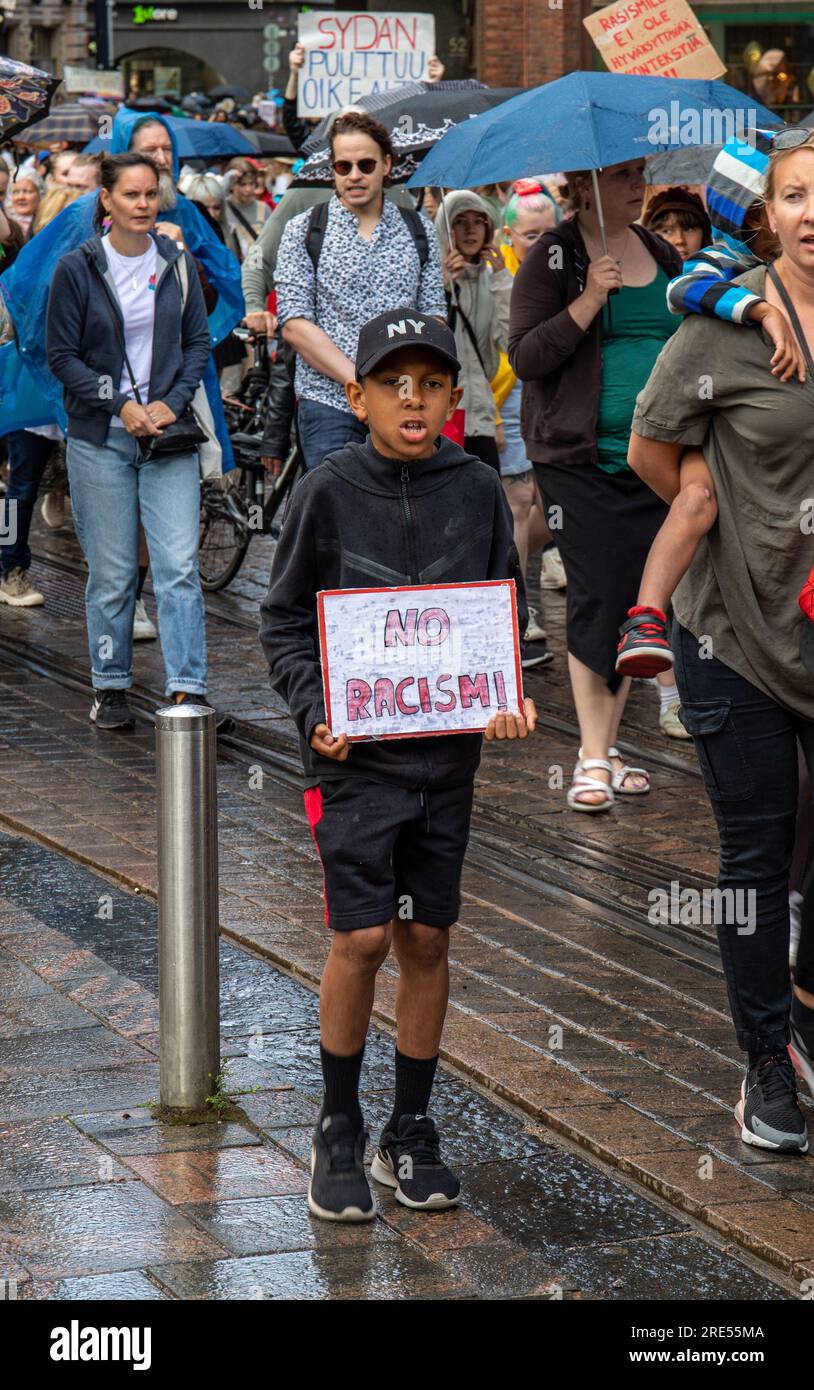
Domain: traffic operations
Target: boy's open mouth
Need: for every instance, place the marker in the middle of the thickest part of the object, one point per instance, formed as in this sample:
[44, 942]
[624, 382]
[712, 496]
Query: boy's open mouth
[414, 430]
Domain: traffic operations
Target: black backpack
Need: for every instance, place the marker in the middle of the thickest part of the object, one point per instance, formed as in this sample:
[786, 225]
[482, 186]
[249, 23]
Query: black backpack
[318, 221]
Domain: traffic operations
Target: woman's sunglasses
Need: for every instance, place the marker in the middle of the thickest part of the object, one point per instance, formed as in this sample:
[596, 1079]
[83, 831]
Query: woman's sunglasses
[792, 137]
[343, 167]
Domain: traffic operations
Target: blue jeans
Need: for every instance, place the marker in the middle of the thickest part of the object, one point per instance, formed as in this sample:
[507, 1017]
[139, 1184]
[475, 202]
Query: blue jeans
[112, 489]
[747, 747]
[323, 430]
[28, 456]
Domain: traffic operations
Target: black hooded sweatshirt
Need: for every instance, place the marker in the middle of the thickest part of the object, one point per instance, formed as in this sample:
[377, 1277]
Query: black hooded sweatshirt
[362, 520]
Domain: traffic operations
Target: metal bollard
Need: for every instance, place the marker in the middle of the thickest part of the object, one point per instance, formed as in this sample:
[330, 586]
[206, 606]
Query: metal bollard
[188, 976]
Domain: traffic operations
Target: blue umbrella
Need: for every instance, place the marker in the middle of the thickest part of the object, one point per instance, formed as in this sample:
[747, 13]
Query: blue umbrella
[196, 140]
[587, 120]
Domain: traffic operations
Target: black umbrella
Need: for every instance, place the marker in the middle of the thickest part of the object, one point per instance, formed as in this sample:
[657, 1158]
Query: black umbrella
[239, 94]
[153, 103]
[421, 106]
[74, 123]
[266, 142]
[688, 164]
[25, 96]
[415, 123]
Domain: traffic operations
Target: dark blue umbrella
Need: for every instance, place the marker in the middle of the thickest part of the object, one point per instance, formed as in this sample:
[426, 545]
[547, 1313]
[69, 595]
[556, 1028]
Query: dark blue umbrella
[196, 140]
[587, 120]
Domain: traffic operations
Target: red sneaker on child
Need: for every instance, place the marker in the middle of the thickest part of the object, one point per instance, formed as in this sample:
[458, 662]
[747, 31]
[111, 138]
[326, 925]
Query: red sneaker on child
[645, 647]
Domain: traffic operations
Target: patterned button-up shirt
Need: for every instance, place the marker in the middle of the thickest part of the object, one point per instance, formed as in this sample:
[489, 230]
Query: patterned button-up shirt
[355, 280]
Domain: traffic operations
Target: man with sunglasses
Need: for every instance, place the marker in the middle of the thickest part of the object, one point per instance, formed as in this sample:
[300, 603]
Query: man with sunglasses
[368, 261]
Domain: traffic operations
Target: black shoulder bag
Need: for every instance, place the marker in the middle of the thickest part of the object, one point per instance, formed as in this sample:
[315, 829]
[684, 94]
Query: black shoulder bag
[182, 435]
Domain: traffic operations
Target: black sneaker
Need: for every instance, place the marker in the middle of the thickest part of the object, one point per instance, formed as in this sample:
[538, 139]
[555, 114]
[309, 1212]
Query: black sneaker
[110, 710]
[768, 1111]
[410, 1161]
[801, 1047]
[221, 717]
[339, 1190]
[536, 654]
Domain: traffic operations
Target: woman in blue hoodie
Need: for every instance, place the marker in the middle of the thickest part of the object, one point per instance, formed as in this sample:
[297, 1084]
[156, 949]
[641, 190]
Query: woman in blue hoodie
[127, 337]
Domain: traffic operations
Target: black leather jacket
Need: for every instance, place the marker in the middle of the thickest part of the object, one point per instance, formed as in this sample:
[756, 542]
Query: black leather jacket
[280, 403]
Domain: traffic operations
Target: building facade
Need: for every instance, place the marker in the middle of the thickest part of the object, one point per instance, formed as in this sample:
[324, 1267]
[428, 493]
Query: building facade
[768, 46]
[47, 34]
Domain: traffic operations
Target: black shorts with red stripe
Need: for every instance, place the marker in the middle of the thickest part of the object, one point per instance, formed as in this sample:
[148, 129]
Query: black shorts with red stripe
[389, 851]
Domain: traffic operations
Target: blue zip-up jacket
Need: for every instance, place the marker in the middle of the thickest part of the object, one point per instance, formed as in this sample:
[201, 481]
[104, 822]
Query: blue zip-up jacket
[84, 348]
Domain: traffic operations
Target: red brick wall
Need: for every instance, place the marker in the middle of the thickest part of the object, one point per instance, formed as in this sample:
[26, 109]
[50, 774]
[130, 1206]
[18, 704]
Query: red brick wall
[523, 43]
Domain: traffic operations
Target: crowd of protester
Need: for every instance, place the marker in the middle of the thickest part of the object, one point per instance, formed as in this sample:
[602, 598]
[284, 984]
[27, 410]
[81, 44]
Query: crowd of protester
[568, 332]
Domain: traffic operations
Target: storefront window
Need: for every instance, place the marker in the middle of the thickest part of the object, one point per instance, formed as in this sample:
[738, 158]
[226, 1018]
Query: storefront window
[772, 61]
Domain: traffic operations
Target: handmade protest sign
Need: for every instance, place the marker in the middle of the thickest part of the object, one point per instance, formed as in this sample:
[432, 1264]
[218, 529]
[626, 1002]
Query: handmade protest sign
[656, 38]
[351, 54]
[418, 660]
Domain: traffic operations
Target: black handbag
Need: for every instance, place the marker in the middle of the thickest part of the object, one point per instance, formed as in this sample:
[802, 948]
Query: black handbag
[180, 437]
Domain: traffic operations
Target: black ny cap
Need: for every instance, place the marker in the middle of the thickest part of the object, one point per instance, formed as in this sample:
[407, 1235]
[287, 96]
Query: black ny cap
[401, 328]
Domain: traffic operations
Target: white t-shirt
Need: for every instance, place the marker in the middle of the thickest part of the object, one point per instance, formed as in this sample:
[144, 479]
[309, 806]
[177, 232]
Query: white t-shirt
[134, 278]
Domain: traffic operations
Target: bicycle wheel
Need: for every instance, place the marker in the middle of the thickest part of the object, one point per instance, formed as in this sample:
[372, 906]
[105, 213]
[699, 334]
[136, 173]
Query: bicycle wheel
[224, 533]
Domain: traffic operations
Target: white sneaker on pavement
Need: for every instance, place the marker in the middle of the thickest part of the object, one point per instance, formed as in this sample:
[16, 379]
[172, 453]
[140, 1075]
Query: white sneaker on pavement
[535, 632]
[143, 629]
[52, 510]
[16, 589]
[669, 722]
[553, 572]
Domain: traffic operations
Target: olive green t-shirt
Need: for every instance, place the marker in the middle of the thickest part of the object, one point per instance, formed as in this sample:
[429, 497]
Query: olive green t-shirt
[712, 387]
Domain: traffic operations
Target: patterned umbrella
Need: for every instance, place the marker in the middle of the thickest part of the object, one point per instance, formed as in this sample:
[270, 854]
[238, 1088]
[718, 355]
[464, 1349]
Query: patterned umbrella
[415, 121]
[25, 96]
[72, 123]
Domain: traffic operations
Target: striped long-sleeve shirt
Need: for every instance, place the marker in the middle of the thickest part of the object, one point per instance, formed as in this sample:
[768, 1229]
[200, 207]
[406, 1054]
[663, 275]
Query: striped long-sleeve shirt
[705, 283]
[736, 182]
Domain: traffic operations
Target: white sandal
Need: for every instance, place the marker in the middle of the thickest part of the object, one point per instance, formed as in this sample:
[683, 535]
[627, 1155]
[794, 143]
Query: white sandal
[580, 782]
[618, 778]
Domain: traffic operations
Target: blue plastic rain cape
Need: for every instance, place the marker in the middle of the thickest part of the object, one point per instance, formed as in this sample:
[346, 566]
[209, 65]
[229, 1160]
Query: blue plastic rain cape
[34, 396]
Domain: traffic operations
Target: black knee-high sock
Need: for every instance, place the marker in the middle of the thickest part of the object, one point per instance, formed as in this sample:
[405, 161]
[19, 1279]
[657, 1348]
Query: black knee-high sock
[142, 575]
[341, 1076]
[414, 1078]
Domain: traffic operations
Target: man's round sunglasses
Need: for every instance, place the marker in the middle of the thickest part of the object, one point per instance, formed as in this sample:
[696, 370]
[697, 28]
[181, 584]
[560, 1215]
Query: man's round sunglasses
[343, 167]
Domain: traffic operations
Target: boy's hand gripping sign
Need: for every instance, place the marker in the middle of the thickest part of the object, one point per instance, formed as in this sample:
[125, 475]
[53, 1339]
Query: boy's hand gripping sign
[419, 660]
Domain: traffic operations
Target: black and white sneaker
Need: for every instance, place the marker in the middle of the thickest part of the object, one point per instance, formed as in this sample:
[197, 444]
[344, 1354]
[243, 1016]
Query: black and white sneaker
[110, 710]
[801, 1047]
[339, 1190]
[768, 1111]
[536, 654]
[410, 1161]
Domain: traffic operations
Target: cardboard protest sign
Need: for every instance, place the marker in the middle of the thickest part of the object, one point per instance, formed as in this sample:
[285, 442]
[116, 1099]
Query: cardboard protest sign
[351, 54]
[656, 38]
[422, 659]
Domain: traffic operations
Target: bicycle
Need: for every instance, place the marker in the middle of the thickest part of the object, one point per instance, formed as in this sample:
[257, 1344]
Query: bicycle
[238, 506]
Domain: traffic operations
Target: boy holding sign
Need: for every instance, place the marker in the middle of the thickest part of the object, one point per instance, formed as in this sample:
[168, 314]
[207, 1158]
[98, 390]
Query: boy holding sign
[390, 817]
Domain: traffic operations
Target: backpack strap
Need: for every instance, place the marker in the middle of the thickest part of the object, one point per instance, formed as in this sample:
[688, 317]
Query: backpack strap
[315, 231]
[418, 232]
[318, 221]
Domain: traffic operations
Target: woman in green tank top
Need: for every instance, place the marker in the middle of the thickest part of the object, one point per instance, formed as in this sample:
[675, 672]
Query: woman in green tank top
[587, 324]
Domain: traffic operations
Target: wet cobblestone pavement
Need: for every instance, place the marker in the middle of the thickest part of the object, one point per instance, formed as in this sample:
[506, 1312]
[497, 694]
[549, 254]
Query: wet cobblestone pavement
[100, 1201]
[641, 1076]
